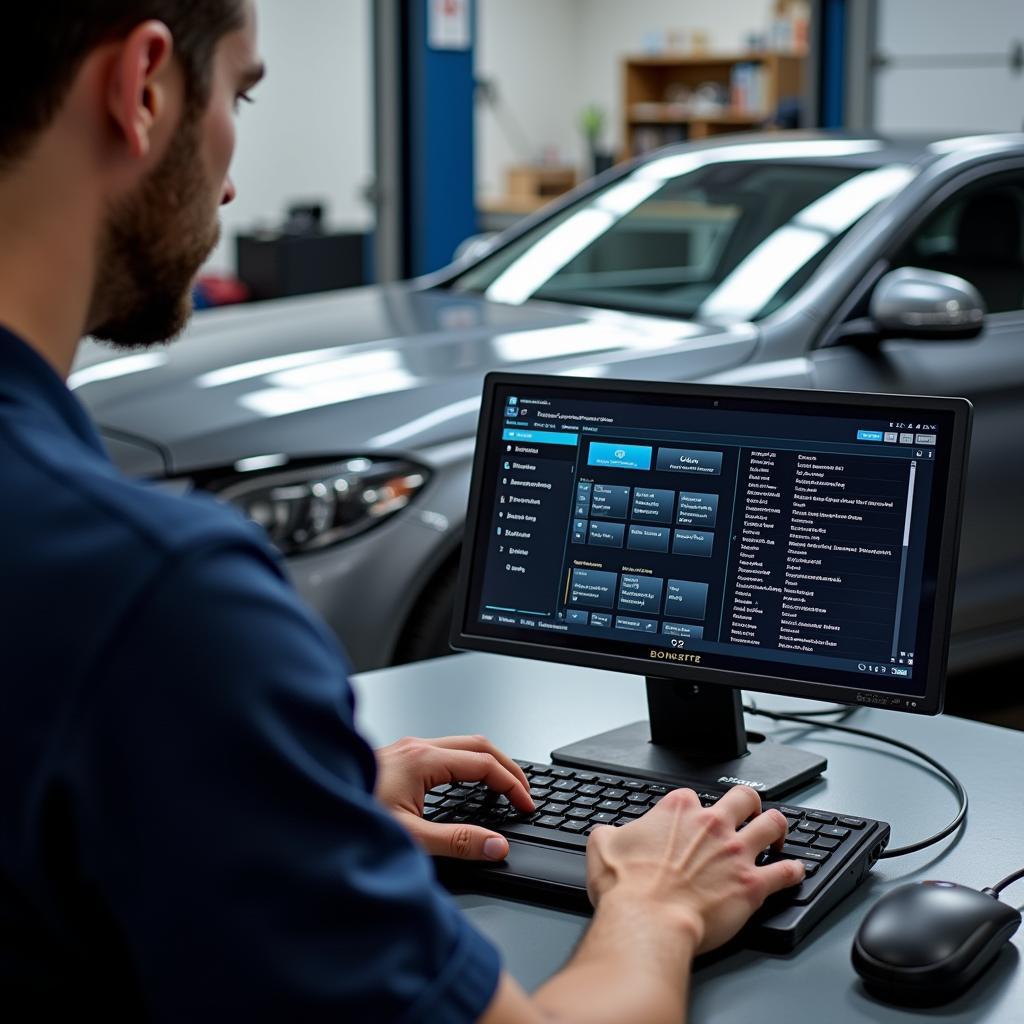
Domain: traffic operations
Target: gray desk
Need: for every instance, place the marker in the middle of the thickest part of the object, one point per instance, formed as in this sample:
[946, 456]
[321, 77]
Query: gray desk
[529, 708]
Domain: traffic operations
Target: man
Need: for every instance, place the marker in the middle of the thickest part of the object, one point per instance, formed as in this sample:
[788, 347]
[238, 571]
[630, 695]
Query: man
[192, 828]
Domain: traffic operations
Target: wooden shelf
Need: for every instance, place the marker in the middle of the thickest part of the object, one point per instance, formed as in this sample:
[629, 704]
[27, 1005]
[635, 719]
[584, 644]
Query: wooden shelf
[753, 83]
[703, 59]
[728, 117]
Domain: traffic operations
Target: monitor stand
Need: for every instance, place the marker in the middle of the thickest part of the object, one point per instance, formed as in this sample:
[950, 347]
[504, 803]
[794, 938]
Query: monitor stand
[695, 737]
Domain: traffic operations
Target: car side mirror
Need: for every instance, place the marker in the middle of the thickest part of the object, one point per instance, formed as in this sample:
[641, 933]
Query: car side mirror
[914, 303]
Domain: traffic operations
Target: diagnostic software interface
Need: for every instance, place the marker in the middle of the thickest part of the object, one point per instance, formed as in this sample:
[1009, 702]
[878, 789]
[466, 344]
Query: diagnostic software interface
[800, 544]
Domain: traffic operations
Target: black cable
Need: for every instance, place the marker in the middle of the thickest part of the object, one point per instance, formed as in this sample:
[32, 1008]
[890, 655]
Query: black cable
[896, 851]
[840, 709]
[996, 889]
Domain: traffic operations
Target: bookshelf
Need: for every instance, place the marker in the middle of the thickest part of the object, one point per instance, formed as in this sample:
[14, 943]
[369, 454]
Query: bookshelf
[673, 98]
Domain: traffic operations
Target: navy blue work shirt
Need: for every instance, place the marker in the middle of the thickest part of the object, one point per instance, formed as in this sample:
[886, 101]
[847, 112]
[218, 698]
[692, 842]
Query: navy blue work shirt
[187, 826]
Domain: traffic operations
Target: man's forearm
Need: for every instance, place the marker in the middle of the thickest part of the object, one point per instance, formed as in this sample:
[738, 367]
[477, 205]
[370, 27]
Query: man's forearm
[633, 964]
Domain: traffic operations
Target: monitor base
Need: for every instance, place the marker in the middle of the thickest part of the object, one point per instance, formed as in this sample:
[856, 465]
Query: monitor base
[773, 769]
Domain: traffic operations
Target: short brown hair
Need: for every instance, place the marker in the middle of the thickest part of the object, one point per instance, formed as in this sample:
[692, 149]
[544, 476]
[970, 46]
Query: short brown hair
[56, 36]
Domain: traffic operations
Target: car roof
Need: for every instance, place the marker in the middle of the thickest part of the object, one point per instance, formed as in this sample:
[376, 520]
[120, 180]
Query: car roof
[865, 150]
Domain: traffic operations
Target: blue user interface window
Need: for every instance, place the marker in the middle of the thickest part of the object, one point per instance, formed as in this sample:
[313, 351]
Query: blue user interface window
[753, 537]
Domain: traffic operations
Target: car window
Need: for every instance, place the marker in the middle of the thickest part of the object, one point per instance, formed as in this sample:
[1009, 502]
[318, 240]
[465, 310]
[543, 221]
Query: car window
[726, 241]
[978, 235]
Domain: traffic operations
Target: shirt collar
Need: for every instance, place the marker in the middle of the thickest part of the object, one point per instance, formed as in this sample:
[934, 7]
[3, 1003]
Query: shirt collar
[26, 378]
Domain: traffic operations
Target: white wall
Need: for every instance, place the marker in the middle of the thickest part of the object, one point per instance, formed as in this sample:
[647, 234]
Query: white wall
[526, 48]
[310, 132]
[949, 99]
[551, 58]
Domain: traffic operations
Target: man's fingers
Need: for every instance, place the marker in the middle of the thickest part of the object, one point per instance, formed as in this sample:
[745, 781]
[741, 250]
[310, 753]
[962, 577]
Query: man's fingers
[482, 745]
[768, 829]
[780, 875]
[467, 842]
[470, 766]
[740, 803]
[676, 800]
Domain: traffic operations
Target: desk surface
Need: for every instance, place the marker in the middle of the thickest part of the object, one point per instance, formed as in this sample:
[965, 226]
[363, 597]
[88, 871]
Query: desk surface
[529, 708]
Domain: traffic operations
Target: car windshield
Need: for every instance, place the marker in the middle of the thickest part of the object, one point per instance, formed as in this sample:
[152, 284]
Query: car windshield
[690, 235]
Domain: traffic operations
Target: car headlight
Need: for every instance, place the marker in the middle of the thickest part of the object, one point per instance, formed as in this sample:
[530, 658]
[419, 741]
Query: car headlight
[309, 508]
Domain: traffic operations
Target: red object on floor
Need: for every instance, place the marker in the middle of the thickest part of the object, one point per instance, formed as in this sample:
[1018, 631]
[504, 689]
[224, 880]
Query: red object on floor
[220, 290]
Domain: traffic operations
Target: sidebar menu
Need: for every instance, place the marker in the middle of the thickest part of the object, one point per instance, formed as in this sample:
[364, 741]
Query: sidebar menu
[532, 510]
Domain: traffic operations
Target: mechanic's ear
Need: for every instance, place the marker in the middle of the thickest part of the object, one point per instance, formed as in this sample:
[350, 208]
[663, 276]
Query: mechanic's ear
[144, 87]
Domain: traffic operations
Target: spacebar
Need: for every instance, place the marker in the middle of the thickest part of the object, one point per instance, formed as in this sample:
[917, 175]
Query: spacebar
[548, 836]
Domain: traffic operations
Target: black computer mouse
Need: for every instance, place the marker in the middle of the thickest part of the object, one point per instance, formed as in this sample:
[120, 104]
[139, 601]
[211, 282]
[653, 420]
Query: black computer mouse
[924, 943]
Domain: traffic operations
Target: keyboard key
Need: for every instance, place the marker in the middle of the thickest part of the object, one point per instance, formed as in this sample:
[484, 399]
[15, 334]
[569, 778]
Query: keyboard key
[554, 807]
[634, 810]
[540, 770]
[603, 818]
[808, 826]
[657, 788]
[539, 792]
[810, 867]
[432, 798]
[634, 784]
[614, 794]
[825, 843]
[591, 790]
[609, 780]
[851, 822]
[791, 823]
[584, 801]
[549, 820]
[791, 812]
[822, 816]
[586, 776]
[622, 821]
[638, 798]
[788, 850]
[611, 805]
[575, 826]
[565, 785]
[800, 839]
[562, 773]
[833, 830]
[707, 799]
[584, 813]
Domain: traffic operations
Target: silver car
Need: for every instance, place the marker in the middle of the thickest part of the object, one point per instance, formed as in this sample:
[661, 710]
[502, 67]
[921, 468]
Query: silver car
[344, 422]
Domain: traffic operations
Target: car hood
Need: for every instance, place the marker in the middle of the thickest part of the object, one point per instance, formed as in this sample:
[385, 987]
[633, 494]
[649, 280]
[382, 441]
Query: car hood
[391, 368]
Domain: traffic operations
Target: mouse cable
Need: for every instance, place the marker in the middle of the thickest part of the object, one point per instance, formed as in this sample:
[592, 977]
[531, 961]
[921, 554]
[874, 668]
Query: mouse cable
[895, 851]
[995, 890]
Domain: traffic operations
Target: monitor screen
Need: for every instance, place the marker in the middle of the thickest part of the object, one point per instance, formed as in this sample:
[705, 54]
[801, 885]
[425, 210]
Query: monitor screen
[794, 542]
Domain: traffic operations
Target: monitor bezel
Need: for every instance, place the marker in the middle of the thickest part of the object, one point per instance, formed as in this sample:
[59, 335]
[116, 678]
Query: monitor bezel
[930, 703]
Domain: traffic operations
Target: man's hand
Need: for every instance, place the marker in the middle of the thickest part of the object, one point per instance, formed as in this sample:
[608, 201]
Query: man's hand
[689, 859]
[407, 769]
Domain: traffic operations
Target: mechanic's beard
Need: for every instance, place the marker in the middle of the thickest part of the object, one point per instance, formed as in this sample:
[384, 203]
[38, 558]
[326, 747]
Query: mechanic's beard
[154, 244]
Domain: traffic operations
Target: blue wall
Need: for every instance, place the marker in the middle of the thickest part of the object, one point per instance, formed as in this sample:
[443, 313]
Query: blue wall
[441, 187]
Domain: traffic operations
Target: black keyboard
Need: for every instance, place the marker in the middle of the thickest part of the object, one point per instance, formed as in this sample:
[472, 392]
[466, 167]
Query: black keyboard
[546, 848]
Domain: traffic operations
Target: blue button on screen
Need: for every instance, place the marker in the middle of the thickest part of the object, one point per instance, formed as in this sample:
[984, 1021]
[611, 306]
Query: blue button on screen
[869, 435]
[620, 456]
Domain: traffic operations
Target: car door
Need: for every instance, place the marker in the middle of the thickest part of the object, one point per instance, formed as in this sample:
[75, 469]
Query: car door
[975, 229]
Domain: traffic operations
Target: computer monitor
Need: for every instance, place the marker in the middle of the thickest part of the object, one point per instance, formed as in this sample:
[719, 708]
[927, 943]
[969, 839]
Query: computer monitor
[715, 539]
